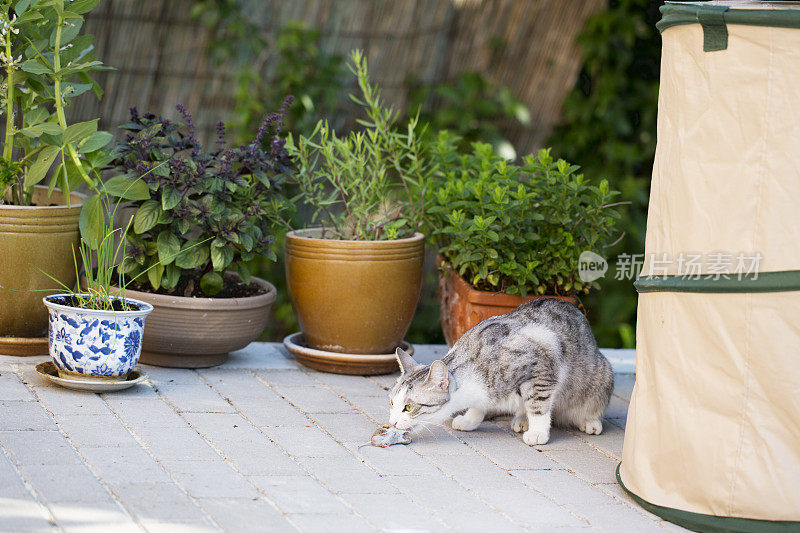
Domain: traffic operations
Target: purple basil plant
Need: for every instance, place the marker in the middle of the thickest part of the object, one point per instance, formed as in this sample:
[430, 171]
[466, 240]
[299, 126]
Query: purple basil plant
[199, 213]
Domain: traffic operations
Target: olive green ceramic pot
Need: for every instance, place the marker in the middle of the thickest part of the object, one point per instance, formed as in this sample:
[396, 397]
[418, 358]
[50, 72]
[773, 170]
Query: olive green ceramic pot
[354, 297]
[200, 332]
[34, 240]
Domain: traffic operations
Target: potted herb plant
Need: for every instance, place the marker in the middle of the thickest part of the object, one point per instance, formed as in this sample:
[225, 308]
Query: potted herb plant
[510, 233]
[46, 63]
[95, 337]
[199, 218]
[355, 277]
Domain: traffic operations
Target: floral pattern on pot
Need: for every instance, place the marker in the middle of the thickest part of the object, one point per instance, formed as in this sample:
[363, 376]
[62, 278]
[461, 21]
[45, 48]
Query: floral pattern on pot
[95, 343]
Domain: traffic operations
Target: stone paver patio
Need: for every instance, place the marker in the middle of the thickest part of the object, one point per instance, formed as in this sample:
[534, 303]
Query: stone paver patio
[262, 443]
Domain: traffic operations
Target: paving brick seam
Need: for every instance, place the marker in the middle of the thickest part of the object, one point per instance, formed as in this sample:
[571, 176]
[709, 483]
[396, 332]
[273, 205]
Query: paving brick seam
[428, 459]
[143, 445]
[43, 507]
[286, 452]
[286, 384]
[117, 500]
[355, 455]
[218, 451]
[548, 497]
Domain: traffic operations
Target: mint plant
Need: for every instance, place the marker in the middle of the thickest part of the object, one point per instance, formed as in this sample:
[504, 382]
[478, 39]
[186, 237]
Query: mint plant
[198, 213]
[46, 63]
[365, 185]
[512, 228]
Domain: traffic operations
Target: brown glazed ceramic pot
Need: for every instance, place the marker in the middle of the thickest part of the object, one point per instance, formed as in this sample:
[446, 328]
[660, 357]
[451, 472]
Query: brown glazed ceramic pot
[200, 332]
[34, 240]
[463, 306]
[353, 297]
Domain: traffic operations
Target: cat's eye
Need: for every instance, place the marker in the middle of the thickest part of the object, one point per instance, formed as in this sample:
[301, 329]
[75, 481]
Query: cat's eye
[408, 408]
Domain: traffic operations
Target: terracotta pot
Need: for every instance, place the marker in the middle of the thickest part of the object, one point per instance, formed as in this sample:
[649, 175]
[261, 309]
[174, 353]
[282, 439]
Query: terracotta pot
[462, 306]
[34, 240]
[200, 332]
[353, 297]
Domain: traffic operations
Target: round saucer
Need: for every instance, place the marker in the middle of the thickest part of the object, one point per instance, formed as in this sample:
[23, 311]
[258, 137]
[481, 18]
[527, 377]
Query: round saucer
[23, 346]
[343, 363]
[49, 371]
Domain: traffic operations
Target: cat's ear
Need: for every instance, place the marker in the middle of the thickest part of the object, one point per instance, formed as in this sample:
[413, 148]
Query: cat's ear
[438, 375]
[407, 363]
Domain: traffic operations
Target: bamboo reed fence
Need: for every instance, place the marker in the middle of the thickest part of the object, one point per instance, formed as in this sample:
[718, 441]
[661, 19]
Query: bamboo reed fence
[160, 56]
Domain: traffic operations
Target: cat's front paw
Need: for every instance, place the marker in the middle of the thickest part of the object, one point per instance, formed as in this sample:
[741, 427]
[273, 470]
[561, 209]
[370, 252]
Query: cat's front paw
[465, 423]
[520, 424]
[592, 427]
[532, 438]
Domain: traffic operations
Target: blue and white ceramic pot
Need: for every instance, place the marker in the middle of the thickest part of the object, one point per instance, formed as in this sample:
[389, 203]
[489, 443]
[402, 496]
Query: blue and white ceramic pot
[85, 343]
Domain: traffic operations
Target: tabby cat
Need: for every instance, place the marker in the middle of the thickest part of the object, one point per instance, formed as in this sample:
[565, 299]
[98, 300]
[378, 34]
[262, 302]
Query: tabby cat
[539, 362]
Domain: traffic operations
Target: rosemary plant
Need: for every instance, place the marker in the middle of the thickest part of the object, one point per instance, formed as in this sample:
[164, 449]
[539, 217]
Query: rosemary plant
[365, 185]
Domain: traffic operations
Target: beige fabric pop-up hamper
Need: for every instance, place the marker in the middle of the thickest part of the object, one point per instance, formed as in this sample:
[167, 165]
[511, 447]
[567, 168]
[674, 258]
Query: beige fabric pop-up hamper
[712, 440]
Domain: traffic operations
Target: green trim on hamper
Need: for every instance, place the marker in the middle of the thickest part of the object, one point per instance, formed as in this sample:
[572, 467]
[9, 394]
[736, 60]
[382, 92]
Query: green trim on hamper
[785, 281]
[714, 20]
[707, 523]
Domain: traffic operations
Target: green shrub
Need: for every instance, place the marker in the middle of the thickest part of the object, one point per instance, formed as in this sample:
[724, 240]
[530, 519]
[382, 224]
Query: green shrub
[518, 229]
[46, 63]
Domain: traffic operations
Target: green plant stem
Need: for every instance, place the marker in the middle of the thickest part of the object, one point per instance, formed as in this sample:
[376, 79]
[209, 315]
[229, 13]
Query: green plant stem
[62, 119]
[8, 146]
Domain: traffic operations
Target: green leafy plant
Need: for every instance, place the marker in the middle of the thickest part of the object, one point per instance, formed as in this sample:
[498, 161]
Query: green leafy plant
[364, 185]
[518, 229]
[197, 213]
[99, 264]
[472, 107]
[46, 63]
[101, 288]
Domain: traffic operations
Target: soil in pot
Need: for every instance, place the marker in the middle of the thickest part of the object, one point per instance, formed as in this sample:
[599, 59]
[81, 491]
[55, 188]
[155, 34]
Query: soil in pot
[72, 301]
[232, 287]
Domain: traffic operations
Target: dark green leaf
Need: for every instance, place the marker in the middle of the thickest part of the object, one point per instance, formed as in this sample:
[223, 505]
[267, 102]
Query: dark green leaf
[92, 222]
[146, 216]
[44, 161]
[95, 141]
[172, 275]
[79, 131]
[221, 258]
[121, 187]
[83, 6]
[170, 197]
[169, 246]
[193, 255]
[154, 273]
[34, 67]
